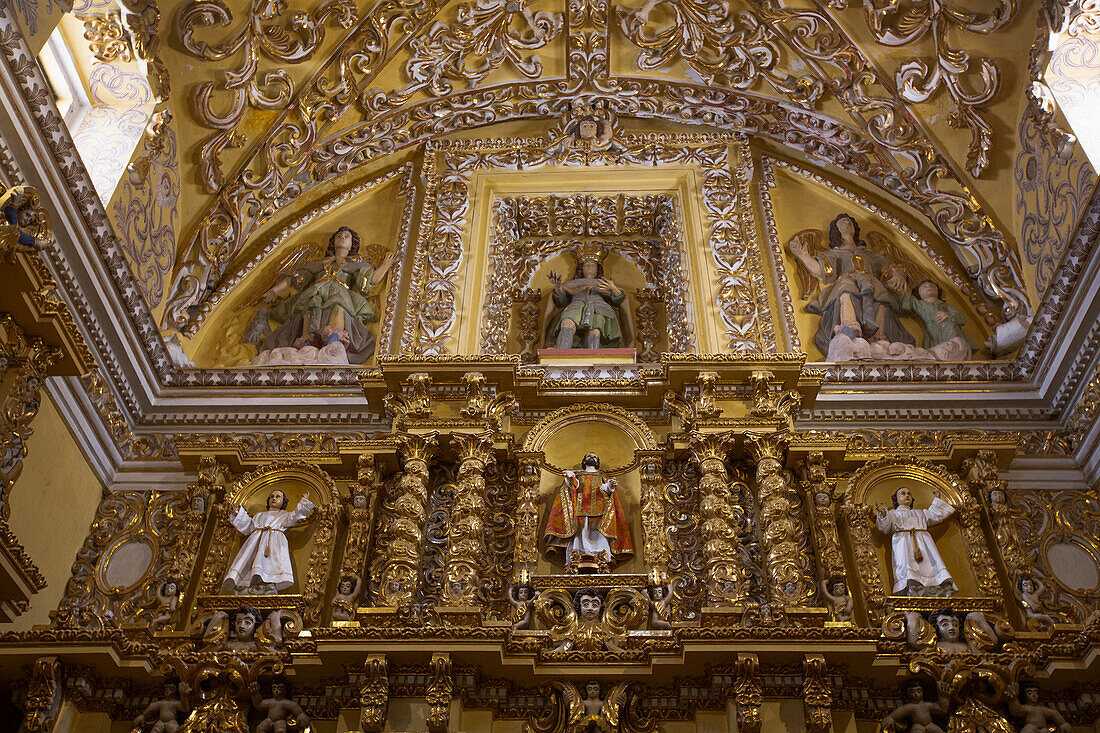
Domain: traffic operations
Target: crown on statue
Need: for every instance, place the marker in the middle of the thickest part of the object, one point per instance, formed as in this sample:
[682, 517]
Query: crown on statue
[590, 253]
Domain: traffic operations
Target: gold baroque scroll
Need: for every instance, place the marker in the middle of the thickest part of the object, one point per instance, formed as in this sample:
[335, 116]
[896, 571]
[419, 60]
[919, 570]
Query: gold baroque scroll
[857, 517]
[440, 693]
[465, 543]
[721, 556]
[823, 526]
[400, 576]
[789, 581]
[374, 694]
[747, 692]
[817, 695]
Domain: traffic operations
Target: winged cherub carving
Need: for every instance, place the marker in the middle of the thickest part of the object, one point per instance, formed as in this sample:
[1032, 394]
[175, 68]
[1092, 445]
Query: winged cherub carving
[589, 622]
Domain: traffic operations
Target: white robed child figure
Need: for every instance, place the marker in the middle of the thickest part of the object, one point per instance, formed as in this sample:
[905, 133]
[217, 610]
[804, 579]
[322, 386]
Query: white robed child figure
[262, 566]
[918, 568]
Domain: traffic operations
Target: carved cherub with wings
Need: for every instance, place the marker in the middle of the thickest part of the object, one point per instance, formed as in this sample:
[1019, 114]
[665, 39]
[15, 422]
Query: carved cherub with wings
[572, 711]
[587, 622]
[856, 287]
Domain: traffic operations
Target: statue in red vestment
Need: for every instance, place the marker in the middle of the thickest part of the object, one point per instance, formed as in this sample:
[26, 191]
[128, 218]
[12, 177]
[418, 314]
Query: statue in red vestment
[587, 518]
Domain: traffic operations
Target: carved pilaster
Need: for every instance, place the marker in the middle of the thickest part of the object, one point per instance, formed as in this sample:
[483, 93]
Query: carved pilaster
[970, 519]
[858, 519]
[747, 692]
[528, 301]
[817, 694]
[465, 542]
[27, 358]
[823, 525]
[44, 695]
[984, 481]
[192, 522]
[527, 513]
[374, 694]
[320, 561]
[789, 580]
[655, 547]
[646, 318]
[363, 504]
[725, 584]
[400, 578]
[707, 403]
[440, 693]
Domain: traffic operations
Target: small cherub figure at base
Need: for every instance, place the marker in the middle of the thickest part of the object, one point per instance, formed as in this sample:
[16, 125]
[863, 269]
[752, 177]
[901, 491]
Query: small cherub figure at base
[660, 612]
[345, 600]
[522, 597]
[918, 711]
[278, 708]
[1037, 718]
[835, 591]
[593, 705]
[164, 714]
[168, 600]
[1028, 590]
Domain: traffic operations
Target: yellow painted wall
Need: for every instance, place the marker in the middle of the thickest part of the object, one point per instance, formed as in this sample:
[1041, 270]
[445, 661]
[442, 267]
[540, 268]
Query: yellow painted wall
[52, 507]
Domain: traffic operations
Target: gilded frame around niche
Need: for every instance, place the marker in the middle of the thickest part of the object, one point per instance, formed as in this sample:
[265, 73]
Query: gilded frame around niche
[862, 535]
[313, 579]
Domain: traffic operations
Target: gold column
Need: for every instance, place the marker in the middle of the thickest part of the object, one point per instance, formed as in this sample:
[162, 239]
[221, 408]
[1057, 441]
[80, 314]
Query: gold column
[983, 479]
[858, 519]
[465, 543]
[192, 523]
[374, 694]
[725, 584]
[654, 548]
[789, 583]
[400, 578]
[817, 694]
[440, 693]
[527, 514]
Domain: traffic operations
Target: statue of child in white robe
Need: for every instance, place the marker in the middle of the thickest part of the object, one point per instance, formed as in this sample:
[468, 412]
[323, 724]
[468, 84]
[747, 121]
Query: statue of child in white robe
[262, 566]
[918, 568]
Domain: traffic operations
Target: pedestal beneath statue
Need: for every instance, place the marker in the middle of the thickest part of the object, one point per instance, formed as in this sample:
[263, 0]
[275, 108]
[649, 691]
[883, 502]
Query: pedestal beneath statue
[587, 357]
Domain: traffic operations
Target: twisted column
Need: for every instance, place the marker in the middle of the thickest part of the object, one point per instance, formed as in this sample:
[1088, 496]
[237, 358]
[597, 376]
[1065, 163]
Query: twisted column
[789, 581]
[721, 555]
[400, 577]
[465, 543]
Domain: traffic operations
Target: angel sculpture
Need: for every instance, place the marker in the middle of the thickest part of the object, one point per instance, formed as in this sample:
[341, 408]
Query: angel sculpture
[572, 713]
[164, 714]
[1028, 592]
[168, 600]
[522, 597]
[324, 321]
[835, 591]
[345, 600]
[918, 711]
[1038, 718]
[582, 623]
[862, 289]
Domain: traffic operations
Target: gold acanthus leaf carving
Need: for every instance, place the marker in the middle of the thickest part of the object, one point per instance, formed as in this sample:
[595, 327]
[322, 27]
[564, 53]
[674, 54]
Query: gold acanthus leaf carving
[902, 24]
[263, 35]
[723, 46]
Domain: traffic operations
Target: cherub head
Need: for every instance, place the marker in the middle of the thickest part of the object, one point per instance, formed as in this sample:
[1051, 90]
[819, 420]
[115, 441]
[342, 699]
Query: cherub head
[656, 593]
[843, 229]
[928, 291]
[278, 688]
[947, 624]
[587, 128]
[346, 586]
[1029, 693]
[588, 604]
[837, 587]
[1026, 585]
[170, 588]
[276, 500]
[523, 592]
[590, 459]
[903, 497]
[592, 689]
[358, 500]
[997, 497]
[245, 621]
[198, 503]
[822, 499]
[914, 690]
[343, 244]
[171, 689]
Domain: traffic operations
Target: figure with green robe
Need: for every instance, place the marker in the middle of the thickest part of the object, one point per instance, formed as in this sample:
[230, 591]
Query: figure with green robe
[331, 301]
[590, 314]
[942, 322]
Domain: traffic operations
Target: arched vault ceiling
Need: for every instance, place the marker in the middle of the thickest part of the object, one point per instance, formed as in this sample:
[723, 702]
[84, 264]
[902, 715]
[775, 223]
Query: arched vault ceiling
[906, 95]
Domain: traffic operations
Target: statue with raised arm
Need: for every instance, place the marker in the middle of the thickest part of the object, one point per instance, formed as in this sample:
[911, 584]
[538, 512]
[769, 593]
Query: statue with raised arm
[918, 568]
[587, 518]
[587, 311]
[321, 302]
[1037, 718]
[918, 711]
[278, 708]
[262, 565]
[164, 713]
